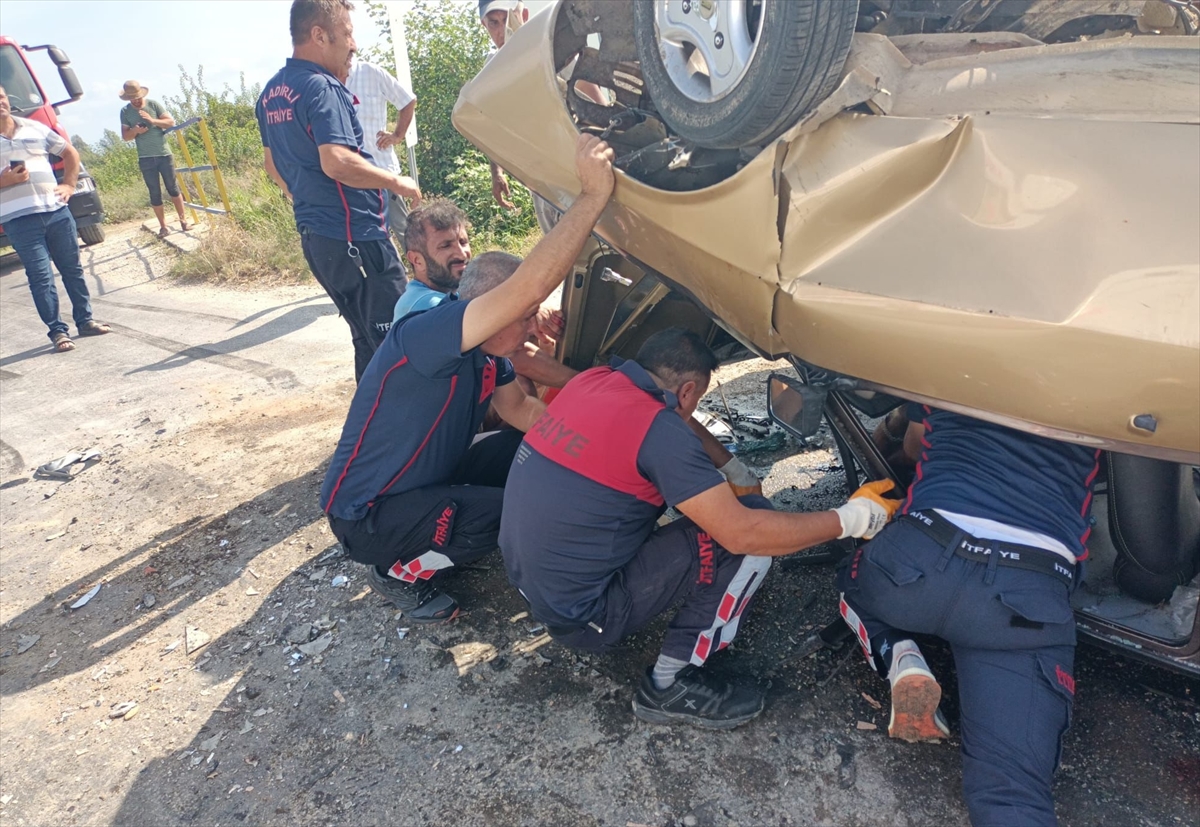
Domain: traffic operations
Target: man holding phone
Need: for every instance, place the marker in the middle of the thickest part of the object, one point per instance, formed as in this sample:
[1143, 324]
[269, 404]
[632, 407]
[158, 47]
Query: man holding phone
[145, 122]
[34, 213]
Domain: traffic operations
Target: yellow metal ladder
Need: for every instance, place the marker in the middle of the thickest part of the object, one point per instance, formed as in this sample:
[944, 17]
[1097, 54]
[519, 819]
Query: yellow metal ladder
[195, 170]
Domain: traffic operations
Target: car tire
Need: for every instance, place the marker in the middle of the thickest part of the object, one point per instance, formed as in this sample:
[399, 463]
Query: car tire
[92, 234]
[796, 62]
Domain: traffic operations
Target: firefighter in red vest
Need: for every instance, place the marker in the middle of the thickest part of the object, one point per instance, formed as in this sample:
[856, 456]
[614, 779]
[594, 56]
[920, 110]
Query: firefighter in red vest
[578, 534]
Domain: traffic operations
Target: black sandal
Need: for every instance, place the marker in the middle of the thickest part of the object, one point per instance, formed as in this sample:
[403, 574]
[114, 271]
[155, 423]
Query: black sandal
[93, 328]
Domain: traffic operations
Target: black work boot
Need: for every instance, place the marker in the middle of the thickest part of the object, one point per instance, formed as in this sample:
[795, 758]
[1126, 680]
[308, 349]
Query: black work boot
[421, 602]
[698, 698]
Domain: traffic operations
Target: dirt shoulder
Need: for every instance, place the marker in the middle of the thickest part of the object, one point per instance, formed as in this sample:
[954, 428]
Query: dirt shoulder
[306, 700]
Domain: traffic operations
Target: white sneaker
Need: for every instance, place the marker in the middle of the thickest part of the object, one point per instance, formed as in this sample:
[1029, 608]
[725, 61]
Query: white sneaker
[915, 697]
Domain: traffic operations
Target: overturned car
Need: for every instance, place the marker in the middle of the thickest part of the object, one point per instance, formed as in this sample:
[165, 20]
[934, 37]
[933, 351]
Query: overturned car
[989, 207]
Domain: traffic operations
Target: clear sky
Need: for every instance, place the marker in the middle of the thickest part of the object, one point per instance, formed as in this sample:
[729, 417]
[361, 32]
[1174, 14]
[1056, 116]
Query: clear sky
[111, 41]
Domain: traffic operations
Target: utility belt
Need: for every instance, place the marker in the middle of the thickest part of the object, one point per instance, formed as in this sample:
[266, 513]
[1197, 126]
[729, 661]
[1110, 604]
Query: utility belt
[1012, 555]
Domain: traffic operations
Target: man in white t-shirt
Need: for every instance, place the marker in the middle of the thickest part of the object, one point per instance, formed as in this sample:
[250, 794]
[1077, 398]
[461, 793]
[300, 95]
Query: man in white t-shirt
[374, 88]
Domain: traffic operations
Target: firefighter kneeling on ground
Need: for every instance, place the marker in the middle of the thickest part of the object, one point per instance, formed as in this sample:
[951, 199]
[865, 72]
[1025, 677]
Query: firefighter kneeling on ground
[578, 535]
[985, 557]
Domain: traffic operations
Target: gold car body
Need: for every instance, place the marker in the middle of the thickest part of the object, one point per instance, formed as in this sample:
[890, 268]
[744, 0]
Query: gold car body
[999, 227]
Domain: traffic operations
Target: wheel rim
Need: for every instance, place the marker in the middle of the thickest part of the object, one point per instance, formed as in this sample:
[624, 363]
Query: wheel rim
[706, 46]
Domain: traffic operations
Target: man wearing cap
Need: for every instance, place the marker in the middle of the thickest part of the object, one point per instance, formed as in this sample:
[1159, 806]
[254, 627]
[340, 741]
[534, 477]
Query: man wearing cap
[145, 122]
[313, 149]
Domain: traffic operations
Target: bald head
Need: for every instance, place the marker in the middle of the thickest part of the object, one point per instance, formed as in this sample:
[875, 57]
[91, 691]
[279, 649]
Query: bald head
[486, 272]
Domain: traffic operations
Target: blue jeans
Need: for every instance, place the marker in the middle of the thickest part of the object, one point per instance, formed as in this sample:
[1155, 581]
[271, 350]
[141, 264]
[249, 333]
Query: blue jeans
[39, 239]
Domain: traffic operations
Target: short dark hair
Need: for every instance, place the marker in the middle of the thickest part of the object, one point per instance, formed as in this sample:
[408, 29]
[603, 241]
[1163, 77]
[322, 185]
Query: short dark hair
[487, 271]
[309, 13]
[677, 355]
[438, 214]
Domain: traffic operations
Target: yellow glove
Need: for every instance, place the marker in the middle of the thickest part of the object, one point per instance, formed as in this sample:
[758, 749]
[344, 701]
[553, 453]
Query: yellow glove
[868, 511]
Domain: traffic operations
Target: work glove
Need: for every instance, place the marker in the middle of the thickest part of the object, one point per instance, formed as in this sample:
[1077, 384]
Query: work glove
[868, 511]
[740, 478]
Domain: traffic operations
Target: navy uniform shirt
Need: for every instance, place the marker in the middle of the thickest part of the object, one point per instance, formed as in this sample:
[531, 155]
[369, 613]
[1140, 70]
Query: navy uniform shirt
[300, 108]
[588, 484]
[418, 405]
[975, 468]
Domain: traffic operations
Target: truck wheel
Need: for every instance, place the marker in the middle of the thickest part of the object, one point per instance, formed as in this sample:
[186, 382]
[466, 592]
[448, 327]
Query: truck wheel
[729, 75]
[92, 234]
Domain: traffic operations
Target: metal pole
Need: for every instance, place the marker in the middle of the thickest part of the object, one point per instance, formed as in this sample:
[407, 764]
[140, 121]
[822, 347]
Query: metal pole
[404, 75]
[187, 196]
[187, 156]
[212, 159]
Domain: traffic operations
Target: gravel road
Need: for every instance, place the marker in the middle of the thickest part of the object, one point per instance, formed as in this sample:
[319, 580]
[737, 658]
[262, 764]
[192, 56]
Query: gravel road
[233, 667]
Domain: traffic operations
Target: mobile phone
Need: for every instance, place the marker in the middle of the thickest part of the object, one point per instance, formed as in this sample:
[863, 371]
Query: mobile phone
[16, 166]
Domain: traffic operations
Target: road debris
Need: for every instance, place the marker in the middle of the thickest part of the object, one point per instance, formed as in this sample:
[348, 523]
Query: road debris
[865, 725]
[122, 709]
[26, 642]
[148, 600]
[83, 601]
[316, 647]
[171, 647]
[251, 592]
[52, 662]
[195, 639]
[59, 470]
[246, 727]
[211, 744]
[182, 581]
[339, 581]
[876, 704]
[337, 693]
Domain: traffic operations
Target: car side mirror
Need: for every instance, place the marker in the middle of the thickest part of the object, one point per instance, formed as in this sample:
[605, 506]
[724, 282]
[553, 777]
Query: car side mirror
[57, 56]
[794, 406]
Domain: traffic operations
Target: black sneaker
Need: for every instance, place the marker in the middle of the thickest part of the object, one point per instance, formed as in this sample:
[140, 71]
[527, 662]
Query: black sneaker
[421, 602]
[698, 698]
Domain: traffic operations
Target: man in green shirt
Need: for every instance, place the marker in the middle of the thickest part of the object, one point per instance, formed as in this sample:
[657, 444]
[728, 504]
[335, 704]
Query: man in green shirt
[144, 121]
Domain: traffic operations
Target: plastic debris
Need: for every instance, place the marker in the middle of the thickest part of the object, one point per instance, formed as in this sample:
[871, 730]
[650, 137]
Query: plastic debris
[250, 592]
[340, 580]
[458, 748]
[26, 642]
[316, 647]
[148, 600]
[246, 727]
[171, 647]
[83, 601]
[210, 744]
[195, 639]
[130, 714]
[182, 581]
[223, 544]
[865, 725]
[53, 662]
[319, 574]
[402, 633]
[337, 693]
[122, 709]
[60, 469]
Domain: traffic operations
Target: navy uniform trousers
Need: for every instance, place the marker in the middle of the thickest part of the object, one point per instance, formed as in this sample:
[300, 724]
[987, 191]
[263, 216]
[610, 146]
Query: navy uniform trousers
[420, 532]
[1012, 634]
[677, 562]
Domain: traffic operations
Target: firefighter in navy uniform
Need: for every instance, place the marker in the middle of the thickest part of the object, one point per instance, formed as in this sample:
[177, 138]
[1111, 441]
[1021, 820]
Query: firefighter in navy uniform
[578, 534]
[984, 556]
[411, 491]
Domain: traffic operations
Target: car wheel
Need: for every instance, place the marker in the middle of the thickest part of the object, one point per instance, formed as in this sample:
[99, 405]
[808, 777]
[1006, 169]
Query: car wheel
[735, 73]
[92, 234]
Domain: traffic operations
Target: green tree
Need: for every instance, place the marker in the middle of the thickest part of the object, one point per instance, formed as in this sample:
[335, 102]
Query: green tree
[230, 118]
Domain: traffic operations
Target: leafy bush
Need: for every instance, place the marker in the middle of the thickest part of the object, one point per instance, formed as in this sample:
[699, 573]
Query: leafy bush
[471, 183]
